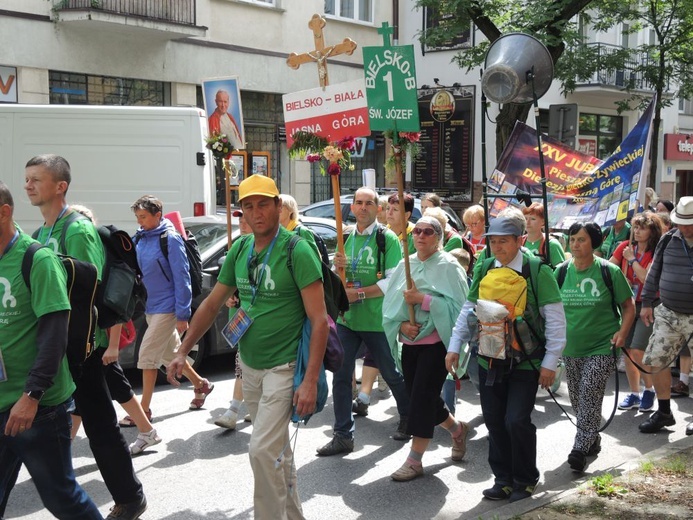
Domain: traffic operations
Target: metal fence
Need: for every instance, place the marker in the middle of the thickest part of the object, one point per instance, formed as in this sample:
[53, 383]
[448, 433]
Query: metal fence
[175, 11]
[630, 75]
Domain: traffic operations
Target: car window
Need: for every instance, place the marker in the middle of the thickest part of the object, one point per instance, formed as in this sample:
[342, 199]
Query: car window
[327, 233]
[327, 211]
[207, 234]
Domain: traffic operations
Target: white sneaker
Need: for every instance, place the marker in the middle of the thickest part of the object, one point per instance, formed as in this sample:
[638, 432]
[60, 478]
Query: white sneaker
[144, 441]
[228, 420]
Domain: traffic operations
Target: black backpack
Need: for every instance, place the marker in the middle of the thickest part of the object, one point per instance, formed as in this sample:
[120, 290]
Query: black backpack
[82, 283]
[562, 270]
[121, 292]
[192, 251]
[336, 300]
[322, 247]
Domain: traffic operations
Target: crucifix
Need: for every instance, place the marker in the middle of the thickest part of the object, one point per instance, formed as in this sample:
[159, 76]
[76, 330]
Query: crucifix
[320, 53]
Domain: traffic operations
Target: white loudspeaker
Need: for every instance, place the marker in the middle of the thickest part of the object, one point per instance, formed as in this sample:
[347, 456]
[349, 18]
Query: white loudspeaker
[508, 61]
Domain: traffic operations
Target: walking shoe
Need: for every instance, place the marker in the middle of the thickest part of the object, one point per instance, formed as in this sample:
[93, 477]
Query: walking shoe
[227, 420]
[144, 441]
[497, 492]
[657, 421]
[521, 493]
[577, 460]
[401, 433]
[680, 389]
[459, 442]
[596, 446]
[247, 418]
[129, 511]
[382, 385]
[201, 394]
[407, 472]
[689, 429]
[359, 407]
[631, 401]
[336, 446]
[647, 401]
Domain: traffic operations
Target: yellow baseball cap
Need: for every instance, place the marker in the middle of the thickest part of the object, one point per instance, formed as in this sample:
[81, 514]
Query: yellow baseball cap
[257, 185]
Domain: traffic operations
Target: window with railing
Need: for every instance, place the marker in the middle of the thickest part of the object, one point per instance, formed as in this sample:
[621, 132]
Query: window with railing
[67, 88]
[359, 10]
[175, 11]
[627, 74]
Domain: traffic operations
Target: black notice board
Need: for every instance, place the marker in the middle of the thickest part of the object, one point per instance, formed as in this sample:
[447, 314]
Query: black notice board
[445, 165]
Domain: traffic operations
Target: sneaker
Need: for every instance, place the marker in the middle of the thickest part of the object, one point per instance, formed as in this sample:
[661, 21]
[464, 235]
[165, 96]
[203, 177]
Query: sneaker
[689, 429]
[144, 441]
[336, 446]
[459, 443]
[657, 421]
[498, 492]
[407, 472]
[401, 433]
[227, 420]
[631, 401]
[383, 387]
[359, 407]
[577, 460]
[647, 401]
[247, 418]
[596, 446]
[680, 390]
[129, 511]
[521, 493]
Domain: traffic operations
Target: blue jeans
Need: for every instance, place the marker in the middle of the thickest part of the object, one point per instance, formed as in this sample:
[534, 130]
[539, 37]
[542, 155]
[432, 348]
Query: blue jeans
[507, 407]
[45, 450]
[341, 383]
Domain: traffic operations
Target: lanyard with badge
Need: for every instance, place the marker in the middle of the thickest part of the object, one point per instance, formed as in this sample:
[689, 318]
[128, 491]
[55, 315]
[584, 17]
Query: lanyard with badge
[635, 284]
[351, 282]
[240, 322]
[3, 372]
[50, 231]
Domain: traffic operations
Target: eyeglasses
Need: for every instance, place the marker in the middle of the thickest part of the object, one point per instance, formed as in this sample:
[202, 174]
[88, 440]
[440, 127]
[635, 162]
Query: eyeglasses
[429, 232]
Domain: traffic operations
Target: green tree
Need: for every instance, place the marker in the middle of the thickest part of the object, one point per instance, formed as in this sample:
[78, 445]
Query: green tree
[663, 63]
[551, 21]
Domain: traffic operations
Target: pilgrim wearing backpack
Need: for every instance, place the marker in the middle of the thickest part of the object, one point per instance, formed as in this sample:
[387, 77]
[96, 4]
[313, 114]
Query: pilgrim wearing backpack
[520, 341]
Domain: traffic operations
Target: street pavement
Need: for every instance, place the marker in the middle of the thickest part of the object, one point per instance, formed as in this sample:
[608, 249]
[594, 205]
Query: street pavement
[202, 472]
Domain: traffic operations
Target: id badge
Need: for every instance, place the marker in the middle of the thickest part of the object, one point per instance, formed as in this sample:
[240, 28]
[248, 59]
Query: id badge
[239, 323]
[354, 284]
[3, 372]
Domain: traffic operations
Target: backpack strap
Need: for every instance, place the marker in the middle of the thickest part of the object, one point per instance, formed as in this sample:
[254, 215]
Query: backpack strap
[290, 253]
[561, 273]
[609, 282]
[69, 219]
[163, 243]
[380, 243]
[28, 262]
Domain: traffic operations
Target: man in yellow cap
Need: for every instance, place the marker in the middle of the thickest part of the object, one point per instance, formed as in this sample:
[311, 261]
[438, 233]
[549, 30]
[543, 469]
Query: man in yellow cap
[274, 304]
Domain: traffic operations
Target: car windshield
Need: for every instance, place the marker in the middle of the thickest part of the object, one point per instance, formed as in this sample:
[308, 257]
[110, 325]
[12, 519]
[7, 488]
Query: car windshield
[206, 233]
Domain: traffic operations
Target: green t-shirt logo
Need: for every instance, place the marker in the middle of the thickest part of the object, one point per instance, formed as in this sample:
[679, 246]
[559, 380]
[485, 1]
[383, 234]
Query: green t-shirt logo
[595, 292]
[7, 298]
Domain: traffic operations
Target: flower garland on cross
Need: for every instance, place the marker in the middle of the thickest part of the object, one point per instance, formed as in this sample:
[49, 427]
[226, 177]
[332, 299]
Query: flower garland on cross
[333, 158]
[407, 144]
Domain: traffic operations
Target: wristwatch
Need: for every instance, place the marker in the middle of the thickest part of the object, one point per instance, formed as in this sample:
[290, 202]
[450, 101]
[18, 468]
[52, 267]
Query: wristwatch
[36, 395]
[632, 261]
[361, 295]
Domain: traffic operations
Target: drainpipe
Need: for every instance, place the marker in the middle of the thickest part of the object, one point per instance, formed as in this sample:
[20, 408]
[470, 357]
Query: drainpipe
[395, 22]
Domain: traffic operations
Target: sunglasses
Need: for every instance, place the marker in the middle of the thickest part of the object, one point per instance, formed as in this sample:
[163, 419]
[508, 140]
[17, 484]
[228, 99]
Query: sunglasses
[429, 232]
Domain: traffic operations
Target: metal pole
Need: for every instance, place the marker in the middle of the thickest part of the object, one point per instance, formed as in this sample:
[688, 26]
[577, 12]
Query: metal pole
[484, 179]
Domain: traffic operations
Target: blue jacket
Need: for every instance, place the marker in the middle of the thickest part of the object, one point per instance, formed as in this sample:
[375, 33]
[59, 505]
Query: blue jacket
[167, 281]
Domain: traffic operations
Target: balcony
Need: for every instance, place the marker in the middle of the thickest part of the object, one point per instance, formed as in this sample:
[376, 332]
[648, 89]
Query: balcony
[629, 75]
[165, 19]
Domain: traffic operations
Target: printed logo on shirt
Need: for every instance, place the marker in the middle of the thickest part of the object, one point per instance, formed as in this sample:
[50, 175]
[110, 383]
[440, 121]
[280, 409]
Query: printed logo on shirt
[7, 299]
[595, 292]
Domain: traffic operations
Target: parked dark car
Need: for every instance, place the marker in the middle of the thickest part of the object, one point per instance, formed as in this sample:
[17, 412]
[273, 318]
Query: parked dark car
[210, 232]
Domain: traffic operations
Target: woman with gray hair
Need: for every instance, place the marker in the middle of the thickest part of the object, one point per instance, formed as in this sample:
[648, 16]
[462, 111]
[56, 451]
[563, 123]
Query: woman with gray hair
[439, 288]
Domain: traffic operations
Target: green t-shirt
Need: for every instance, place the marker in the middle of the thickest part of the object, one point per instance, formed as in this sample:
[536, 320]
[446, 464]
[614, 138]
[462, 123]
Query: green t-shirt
[367, 316]
[454, 242]
[307, 235]
[588, 311]
[20, 310]
[612, 241]
[278, 311]
[556, 252]
[548, 292]
[83, 243]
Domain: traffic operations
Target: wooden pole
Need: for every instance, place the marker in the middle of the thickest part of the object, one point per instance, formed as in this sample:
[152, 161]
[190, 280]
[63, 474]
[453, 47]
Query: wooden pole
[229, 227]
[338, 219]
[403, 217]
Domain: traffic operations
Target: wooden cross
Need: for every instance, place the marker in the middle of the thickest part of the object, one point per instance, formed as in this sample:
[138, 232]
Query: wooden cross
[321, 53]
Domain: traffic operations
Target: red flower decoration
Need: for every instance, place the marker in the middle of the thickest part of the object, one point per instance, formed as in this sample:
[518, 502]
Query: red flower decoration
[334, 169]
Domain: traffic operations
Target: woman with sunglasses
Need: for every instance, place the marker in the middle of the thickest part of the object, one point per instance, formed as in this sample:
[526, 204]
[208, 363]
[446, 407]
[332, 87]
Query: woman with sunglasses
[439, 288]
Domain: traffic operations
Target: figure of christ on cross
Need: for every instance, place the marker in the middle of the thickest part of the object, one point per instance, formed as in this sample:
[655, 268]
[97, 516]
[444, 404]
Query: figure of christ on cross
[320, 53]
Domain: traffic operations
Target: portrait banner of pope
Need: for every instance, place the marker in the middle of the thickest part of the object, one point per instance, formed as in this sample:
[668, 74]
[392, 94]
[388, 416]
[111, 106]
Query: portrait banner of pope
[222, 98]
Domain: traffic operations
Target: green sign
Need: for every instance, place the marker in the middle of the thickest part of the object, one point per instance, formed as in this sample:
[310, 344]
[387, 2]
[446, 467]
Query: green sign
[391, 88]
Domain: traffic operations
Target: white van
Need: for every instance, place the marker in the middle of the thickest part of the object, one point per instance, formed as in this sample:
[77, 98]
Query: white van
[117, 154]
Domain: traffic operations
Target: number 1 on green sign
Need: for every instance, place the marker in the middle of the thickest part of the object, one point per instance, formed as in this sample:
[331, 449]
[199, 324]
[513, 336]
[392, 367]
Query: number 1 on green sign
[390, 93]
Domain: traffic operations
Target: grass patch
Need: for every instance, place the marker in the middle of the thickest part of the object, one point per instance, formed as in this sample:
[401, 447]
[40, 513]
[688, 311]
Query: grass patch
[647, 467]
[676, 465]
[606, 486]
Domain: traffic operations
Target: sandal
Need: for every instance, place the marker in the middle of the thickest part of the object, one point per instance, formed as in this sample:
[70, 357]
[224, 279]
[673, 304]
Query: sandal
[127, 422]
[201, 394]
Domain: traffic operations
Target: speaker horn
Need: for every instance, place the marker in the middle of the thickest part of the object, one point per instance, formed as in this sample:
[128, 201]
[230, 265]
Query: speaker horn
[511, 61]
